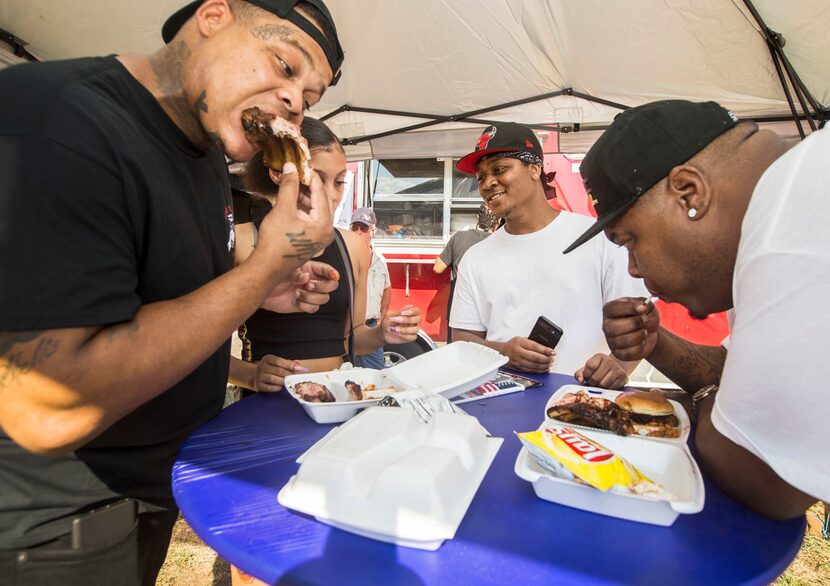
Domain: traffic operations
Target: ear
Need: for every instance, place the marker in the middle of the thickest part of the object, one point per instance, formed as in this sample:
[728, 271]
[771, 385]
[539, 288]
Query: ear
[690, 190]
[535, 171]
[213, 16]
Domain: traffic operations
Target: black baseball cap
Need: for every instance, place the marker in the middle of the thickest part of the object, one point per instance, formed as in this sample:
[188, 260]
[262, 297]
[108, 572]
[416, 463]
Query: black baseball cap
[500, 138]
[640, 148]
[283, 9]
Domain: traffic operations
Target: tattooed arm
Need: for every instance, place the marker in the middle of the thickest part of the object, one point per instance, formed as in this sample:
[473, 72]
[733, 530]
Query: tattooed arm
[688, 365]
[632, 330]
[61, 388]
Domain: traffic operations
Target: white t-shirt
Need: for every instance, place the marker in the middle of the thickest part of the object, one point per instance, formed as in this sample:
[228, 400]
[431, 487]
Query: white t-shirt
[774, 397]
[507, 281]
[378, 280]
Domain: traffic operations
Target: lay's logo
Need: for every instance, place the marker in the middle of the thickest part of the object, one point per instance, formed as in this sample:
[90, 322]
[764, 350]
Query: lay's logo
[580, 445]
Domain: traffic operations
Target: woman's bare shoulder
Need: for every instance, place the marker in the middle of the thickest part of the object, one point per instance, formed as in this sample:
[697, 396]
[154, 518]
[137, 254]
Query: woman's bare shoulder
[358, 250]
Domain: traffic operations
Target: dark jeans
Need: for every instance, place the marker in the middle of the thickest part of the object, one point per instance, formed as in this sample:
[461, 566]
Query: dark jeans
[133, 561]
[374, 359]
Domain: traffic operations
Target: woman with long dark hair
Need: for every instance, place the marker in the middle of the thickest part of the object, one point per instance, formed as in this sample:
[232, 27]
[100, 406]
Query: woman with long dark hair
[275, 345]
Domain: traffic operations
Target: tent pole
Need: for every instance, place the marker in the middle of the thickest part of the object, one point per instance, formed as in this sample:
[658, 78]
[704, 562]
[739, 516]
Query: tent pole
[591, 98]
[786, 88]
[465, 117]
[798, 93]
[468, 116]
[775, 42]
[17, 44]
[333, 113]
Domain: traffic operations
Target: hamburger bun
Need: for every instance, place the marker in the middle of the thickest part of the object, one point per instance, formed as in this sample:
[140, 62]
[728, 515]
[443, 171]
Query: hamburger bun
[646, 403]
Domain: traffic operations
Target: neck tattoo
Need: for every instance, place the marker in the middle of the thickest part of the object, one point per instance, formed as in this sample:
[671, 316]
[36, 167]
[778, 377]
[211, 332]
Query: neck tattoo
[167, 65]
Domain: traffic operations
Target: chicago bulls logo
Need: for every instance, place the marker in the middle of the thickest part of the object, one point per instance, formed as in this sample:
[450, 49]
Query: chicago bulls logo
[485, 138]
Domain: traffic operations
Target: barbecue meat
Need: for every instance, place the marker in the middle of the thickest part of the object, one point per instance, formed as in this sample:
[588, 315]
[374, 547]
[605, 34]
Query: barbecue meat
[281, 142]
[579, 408]
[313, 392]
[355, 392]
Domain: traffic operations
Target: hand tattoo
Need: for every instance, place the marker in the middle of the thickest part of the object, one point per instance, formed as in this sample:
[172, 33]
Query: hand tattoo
[305, 247]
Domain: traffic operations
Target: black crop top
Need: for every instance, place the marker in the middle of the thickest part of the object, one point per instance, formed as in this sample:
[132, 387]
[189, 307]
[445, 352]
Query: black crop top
[296, 336]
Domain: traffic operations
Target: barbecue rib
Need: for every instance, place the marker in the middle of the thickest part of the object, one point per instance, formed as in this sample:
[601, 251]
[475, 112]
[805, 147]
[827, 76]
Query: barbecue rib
[281, 142]
[313, 392]
[597, 412]
[355, 392]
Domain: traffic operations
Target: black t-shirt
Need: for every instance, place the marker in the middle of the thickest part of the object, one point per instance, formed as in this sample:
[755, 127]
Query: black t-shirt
[105, 205]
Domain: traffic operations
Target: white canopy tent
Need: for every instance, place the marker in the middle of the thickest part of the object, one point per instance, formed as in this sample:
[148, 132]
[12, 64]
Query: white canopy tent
[445, 67]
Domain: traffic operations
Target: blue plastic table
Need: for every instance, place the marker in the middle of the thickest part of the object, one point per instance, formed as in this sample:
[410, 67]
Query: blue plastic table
[228, 474]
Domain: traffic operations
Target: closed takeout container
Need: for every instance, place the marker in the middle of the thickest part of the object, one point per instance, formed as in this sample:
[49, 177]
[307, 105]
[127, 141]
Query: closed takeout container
[679, 412]
[388, 475]
[670, 464]
[447, 371]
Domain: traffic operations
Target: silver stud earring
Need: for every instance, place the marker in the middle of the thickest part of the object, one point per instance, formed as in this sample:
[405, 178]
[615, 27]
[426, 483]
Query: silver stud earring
[692, 212]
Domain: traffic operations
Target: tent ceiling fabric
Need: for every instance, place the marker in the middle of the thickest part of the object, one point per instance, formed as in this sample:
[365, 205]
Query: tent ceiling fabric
[447, 57]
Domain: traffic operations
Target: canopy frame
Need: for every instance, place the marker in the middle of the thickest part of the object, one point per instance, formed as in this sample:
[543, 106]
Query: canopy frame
[812, 112]
[775, 43]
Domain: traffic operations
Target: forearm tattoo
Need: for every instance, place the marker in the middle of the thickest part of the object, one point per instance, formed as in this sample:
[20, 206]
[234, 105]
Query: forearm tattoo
[18, 357]
[694, 366]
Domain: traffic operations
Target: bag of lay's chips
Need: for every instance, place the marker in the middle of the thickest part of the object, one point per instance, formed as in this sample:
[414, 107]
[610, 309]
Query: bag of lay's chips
[568, 454]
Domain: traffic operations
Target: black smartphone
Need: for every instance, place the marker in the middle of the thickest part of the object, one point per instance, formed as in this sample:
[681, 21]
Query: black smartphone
[104, 526]
[545, 332]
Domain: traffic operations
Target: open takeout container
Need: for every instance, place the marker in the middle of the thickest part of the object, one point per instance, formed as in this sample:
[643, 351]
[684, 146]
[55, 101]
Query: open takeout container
[669, 464]
[447, 371]
[387, 475]
[684, 425]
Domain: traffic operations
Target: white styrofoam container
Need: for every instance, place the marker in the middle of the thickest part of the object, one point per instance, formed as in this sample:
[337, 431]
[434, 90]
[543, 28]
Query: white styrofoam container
[679, 412]
[670, 464]
[451, 369]
[447, 371]
[387, 475]
[335, 380]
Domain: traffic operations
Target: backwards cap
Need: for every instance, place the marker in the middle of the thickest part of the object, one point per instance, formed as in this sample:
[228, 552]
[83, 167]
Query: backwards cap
[283, 9]
[640, 148]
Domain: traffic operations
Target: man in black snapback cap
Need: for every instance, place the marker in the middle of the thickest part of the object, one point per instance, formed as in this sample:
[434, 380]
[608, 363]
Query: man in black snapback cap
[116, 325]
[715, 214]
[614, 180]
[310, 16]
[506, 282]
[230, 55]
